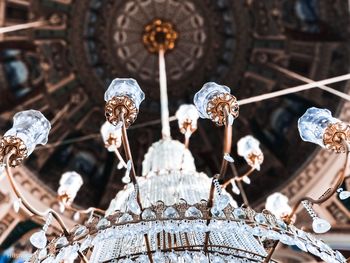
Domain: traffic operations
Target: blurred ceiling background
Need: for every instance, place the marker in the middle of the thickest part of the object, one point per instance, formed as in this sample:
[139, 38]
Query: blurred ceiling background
[63, 67]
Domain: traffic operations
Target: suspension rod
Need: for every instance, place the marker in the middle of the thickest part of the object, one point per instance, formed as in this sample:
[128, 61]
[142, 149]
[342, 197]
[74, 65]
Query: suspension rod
[164, 96]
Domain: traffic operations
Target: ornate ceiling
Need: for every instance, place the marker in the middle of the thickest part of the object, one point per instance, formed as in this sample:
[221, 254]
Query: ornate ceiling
[64, 68]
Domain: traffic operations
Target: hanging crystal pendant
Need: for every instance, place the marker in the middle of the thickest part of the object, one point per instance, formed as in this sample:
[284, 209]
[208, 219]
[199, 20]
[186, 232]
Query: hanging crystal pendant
[343, 194]
[76, 216]
[193, 212]
[61, 242]
[103, 223]
[170, 212]
[246, 179]
[235, 188]
[320, 225]
[38, 239]
[42, 253]
[228, 158]
[61, 208]
[133, 205]
[17, 204]
[126, 178]
[148, 214]
[120, 165]
[222, 201]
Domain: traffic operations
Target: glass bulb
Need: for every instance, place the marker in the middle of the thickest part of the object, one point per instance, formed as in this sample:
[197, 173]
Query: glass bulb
[125, 87]
[277, 204]
[249, 148]
[31, 127]
[207, 92]
[187, 113]
[313, 124]
[70, 184]
[111, 136]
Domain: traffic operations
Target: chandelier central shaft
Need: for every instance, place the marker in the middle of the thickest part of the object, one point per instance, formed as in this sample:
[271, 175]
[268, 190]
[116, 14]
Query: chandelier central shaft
[164, 96]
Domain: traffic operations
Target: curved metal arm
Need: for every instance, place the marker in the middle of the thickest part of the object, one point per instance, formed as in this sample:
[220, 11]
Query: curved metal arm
[87, 211]
[187, 136]
[330, 191]
[239, 178]
[128, 154]
[227, 144]
[25, 203]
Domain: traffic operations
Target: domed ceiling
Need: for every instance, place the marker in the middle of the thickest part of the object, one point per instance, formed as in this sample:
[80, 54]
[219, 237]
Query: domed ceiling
[64, 68]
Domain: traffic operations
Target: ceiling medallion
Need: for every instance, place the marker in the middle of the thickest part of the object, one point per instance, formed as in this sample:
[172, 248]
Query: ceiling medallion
[159, 35]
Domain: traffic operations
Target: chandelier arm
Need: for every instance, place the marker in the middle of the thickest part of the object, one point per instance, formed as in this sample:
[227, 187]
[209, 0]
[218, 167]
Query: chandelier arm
[187, 141]
[83, 257]
[210, 204]
[272, 250]
[128, 155]
[239, 185]
[25, 203]
[238, 178]
[329, 192]
[243, 193]
[227, 144]
[87, 211]
[187, 136]
[211, 191]
[148, 247]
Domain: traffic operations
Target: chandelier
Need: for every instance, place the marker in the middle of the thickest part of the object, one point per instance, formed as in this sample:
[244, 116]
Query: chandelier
[172, 213]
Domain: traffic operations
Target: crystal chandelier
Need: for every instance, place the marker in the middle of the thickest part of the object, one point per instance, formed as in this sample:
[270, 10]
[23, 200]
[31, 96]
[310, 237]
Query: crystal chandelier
[173, 213]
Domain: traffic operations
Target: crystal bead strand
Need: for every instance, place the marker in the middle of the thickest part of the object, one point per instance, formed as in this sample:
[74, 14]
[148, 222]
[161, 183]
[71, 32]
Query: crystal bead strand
[217, 186]
[48, 222]
[221, 200]
[319, 225]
